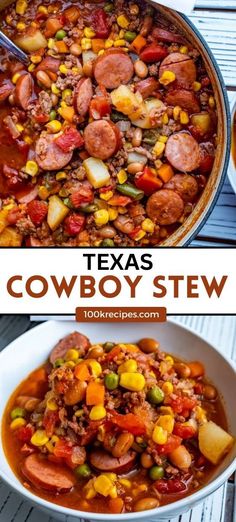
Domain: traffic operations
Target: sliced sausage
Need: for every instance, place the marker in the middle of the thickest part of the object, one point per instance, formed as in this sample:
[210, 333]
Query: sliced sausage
[48, 155]
[74, 340]
[147, 86]
[24, 91]
[183, 66]
[103, 461]
[48, 64]
[102, 139]
[113, 68]
[183, 152]
[83, 96]
[47, 475]
[165, 207]
[166, 36]
[185, 99]
[5, 90]
[185, 185]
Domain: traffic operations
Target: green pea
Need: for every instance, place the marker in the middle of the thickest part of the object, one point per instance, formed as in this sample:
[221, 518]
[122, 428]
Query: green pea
[130, 36]
[53, 115]
[108, 347]
[111, 381]
[60, 34]
[155, 395]
[107, 243]
[17, 412]
[108, 8]
[156, 472]
[58, 362]
[83, 471]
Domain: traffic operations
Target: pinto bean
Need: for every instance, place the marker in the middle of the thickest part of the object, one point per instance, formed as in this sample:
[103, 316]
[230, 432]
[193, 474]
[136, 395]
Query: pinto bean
[75, 392]
[124, 223]
[209, 392]
[44, 79]
[181, 458]
[137, 138]
[134, 168]
[146, 460]
[141, 69]
[183, 371]
[95, 352]
[146, 503]
[148, 345]
[123, 444]
[107, 232]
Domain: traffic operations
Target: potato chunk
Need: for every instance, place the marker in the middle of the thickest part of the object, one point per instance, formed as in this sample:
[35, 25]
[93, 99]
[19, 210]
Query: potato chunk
[9, 237]
[214, 442]
[31, 41]
[57, 212]
[97, 172]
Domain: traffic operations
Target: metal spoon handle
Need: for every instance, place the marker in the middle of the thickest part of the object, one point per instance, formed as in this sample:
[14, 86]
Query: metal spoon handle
[12, 48]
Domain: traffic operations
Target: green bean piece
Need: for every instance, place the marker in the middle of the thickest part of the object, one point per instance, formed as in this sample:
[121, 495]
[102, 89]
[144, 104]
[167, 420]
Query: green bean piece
[111, 381]
[130, 190]
[156, 472]
[88, 209]
[17, 412]
[155, 395]
[130, 36]
[83, 471]
[58, 362]
[60, 34]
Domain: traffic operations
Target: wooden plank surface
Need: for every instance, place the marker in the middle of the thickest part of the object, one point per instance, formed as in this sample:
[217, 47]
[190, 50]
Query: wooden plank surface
[218, 507]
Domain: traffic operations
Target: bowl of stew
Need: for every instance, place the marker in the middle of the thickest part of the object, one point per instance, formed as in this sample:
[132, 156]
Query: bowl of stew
[116, 134]
[105, 426]
[232, 164]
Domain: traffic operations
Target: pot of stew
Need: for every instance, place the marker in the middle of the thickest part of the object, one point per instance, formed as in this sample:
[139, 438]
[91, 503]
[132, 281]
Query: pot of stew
[117, 133]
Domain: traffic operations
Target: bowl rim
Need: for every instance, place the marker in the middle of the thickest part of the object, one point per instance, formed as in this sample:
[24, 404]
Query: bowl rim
[232, 165]
[181, 504]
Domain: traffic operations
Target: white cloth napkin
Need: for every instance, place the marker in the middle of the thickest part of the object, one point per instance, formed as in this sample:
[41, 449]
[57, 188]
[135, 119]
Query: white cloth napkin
[183, 6]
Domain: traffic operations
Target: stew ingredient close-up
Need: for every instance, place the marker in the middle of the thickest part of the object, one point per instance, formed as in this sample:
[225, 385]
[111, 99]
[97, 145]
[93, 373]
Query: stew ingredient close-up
[114, 428]
[108, 137]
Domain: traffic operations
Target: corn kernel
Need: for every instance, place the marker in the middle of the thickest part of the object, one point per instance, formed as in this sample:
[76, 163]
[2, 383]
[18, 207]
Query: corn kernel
[184, 119]
[166, 410]
[120, 43]
[113, 213]
[167, 77]
[51, 444]
[132, 381]
[125, 482]
[101, 52]
[97, 412]
[51, 43]
[31, 168]
[95, 367]
[35, 58]
[158, 149]
[159, 436]
[166, 422]
[123, 21]
[79, 413]
[122, 210]
[42, 9]
[17, 423]
[121, 33]
[211, 102]
[90, 493]
[76, 70]
[66, 93]
[43, 192]
[70, 364]
[200, 414]
[158, 163]
[148, 225]
[183, 49]
[19, 127]
[197, 86]
[52, 405]
[55, 89]
[167, 388]
[122, 176]
[109, 43]
[20, 26]
[28, 140]
[21, 6]
[72, 355]
[101, 217]
[128, 366]
[103, 485]
[140, 235]
[86, 44]
[9, 20]
[33, 24]
[67, 113]
[61, 175]
[176, 112]
[169, 359]
[31, 67]
[63, 69]
[89, 33]
[113, 492]
[54, 126]
[39, 438]
[106, 195]
[163, 139]
[15, 77]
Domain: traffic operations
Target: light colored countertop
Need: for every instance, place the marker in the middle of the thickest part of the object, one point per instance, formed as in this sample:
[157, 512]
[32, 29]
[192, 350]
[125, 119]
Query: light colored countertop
[218, 507]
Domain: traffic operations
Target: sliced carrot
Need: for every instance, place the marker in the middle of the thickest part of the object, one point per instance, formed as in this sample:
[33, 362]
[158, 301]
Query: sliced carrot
[165, 172]
[61, 47]
[52, 26]
[115, 352]
[97, 44]
[72, 14]
[95, 394]
[138, 43]
[67, 113]
[116, 505]
[82, 372]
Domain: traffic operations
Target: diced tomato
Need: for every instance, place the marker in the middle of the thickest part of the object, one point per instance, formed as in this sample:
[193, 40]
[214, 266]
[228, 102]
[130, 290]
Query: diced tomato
[135, 232]
[198, 388]
[100, 23]
[49, 422]
[25, 433]
[148, 182]
[166, 486]
[13, 215]
[172, 443]
[129, 422]
[185, 432]
[84, 195]
[41, 118]
[63, 449]
[69, 140]
[99, 107]
[77, 457]
[153, 53]
[119, 201]
[74, 224]
[179, 404]
[37, 211]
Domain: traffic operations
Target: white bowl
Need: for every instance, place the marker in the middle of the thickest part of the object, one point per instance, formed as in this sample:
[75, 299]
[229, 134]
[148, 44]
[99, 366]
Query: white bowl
[232, 165]
[31, 349]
